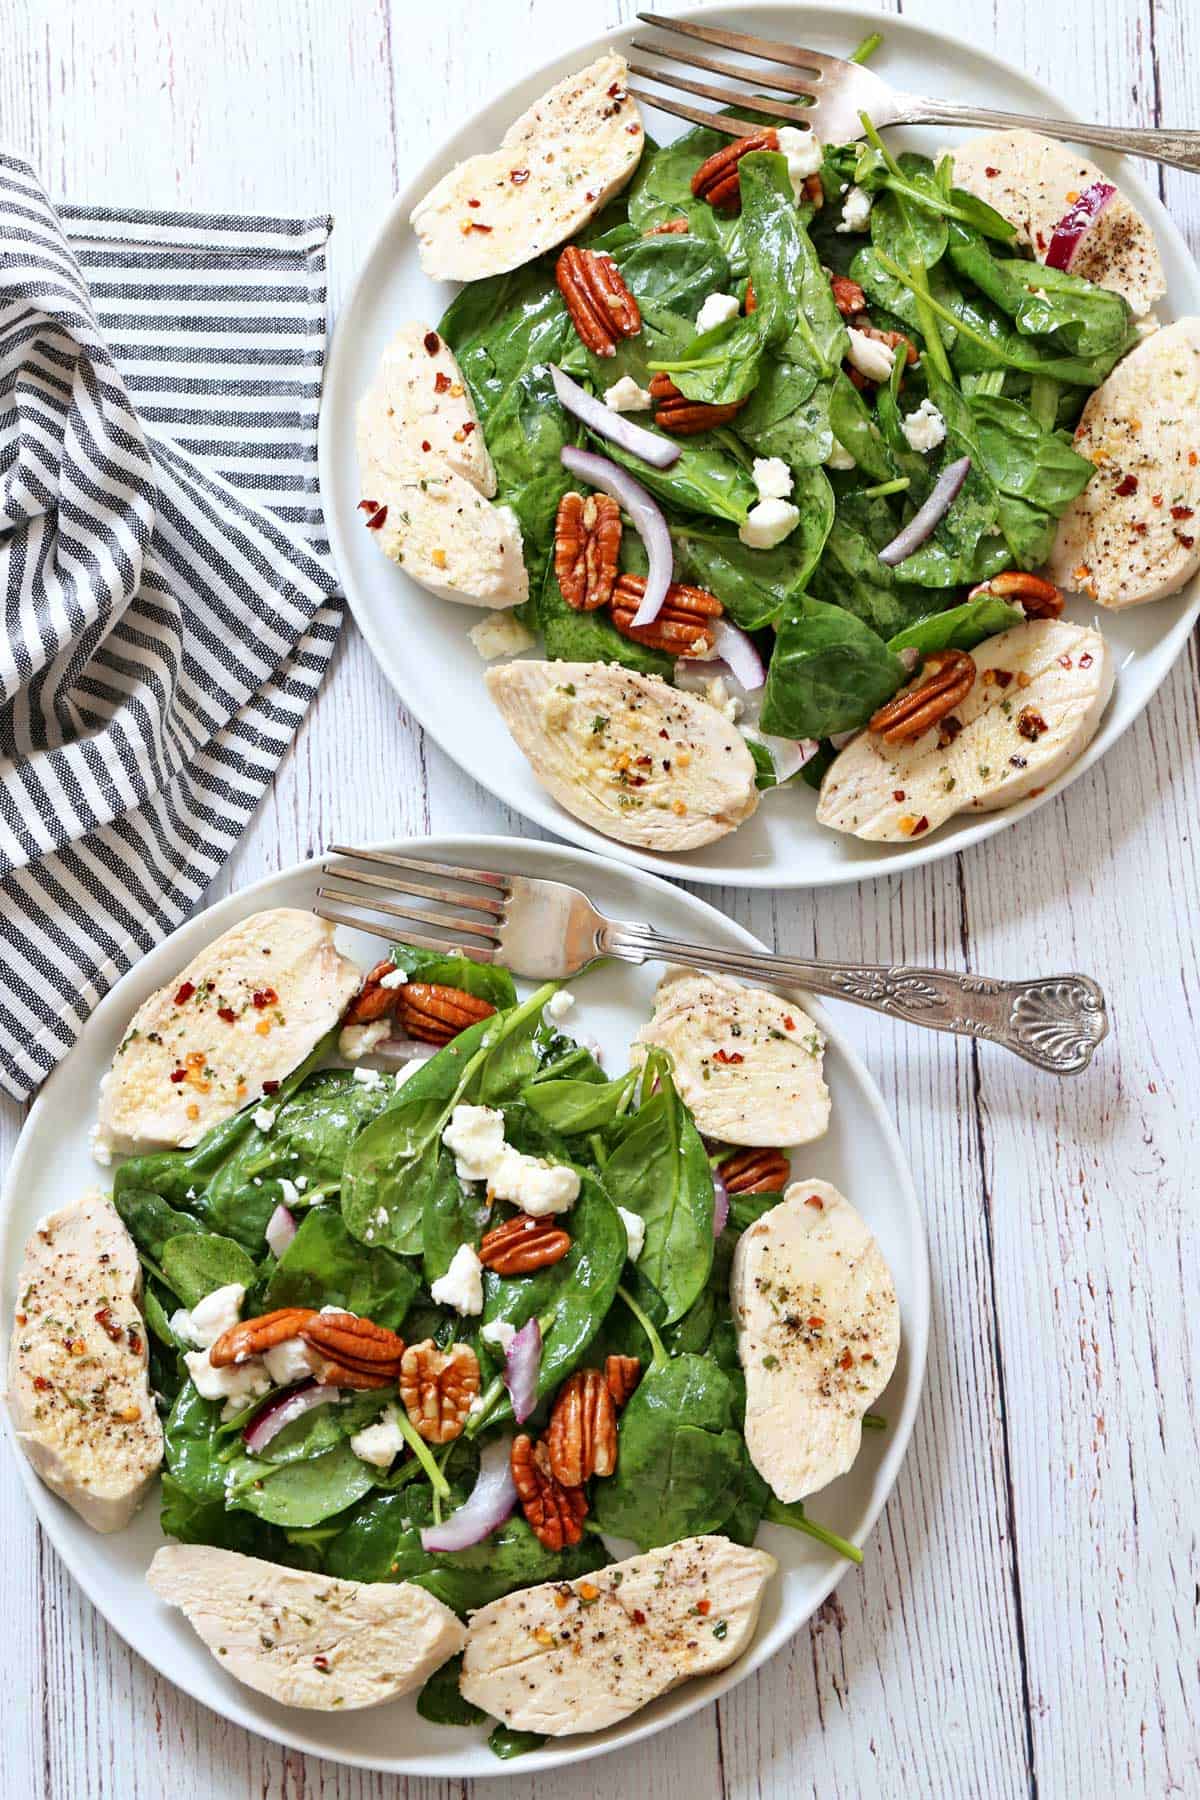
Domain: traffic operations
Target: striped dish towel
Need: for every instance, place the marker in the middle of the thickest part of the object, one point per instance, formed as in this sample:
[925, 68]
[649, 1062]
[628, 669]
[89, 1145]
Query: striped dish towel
[168, 614]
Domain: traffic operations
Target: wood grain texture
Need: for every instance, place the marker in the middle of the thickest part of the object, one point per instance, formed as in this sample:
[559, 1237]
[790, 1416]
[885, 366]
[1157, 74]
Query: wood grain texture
[1026, 1619]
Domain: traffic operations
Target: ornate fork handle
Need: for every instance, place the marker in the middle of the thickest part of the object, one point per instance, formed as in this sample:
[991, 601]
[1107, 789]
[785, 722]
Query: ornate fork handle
[1180, 148]
[1052, 1021]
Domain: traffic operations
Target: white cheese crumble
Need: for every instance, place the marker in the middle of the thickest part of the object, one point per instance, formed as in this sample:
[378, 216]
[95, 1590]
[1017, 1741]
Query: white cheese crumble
[500, 1334]
[476, 1136]
[802, 150]
[716, 310]
[291, 1361]
[839, 458]
[635, 1232]
[558, 1006]
[211, 1317]
[925, 429]
[395, 978]
[264, 1117]
[370, 1078]
[626, 396]
[462, 1285]
[768, 523]
[498, 635]
[870, 356]
[772, 478]
[234, 1382]
[713, 688]
[380, 1443]
[359, 1040]
[289, 1191]
[856, 211]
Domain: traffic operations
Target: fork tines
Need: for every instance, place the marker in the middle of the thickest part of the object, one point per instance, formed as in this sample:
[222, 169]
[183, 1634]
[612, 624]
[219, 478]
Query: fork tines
[363, 890]
[811, 62]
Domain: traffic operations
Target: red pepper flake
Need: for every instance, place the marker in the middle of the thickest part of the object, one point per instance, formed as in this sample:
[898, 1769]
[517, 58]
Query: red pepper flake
[135, 1342]
[433, 342]
[1192, 459]
[1127, 485]
[991, 174]
[1187, 542]
[40, 1383]
[724, 1056]
[270, 1087]
[474, 225]
[322, 1663]
[1085, 661]
[1030, 724]
[108, 1324]
[1041, 242]
[178, 1074]
[921, 825]
[368, 505]
[426, 445]
[663, 732]
[633, 130]
[227, 1015]
[1181, 512]
[468, 427]
[815, 1322]
[1156, 499]
[472, 202]
[1140, 529]
[897, 793]
[639, 1617]
[845, 1360]
[377, 519]
[788, 1022]
[185, 993]
[265, 997]
[518, 177]
[441, 382]
[1002, 677]
[704, 1607]
[643, 762]
[1064, 662]
[815, 1200]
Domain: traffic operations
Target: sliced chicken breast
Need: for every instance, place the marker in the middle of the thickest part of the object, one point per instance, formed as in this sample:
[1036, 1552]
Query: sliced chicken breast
[1133, 534]
[78, 1390]
[230, 1026]
[570, 1657]
[556, 167]
[1037, 701]
[747, 1064]
[1033, 182]
[641, 761]
[304, 1639]
[818, 1333]
[419, 393]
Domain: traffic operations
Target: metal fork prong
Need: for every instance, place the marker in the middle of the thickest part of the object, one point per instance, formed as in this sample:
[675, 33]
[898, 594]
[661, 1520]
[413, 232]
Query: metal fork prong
[472, 926]
[490, 877]
[476, 954]
[772, 78]
[772, 109]
[401, 884]
[715, 121]
[766, 48]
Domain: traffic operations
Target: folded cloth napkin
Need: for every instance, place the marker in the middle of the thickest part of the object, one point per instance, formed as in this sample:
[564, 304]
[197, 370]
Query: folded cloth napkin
[168, 614]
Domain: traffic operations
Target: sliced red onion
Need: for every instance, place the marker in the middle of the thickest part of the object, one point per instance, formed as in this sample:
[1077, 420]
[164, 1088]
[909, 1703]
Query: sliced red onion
[283, 1410]
[492, 1500]
[738, 650]
[281, 1229]
[660, 452]
[647, 517]
[919, 527]
[1074, 226]
[404, 1050]
[522, 1360]
[720, 1204]
[790, 754]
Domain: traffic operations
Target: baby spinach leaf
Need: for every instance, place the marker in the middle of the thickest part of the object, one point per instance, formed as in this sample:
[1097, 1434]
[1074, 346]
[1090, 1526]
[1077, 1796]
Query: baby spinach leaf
[571, 636]
[506, 1742]
[487, 981]
[1081, 319]
[721, 365]
[195, 1263]
[959, 627]
[705, 479]
[191, 1444]
[755, 586]
[661, 190]
[856, 431]
[851, 575]
[573, 1106]
[194, 1521]
[325, 1266]
[1025, 459]
[829, 673]
[440, 1701]
[298, 1493]
[660, 1171]
[323, 1428]
[149, 1220]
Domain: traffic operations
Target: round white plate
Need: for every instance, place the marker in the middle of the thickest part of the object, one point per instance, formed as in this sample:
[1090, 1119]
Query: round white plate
[861, 1154]
[422, 642]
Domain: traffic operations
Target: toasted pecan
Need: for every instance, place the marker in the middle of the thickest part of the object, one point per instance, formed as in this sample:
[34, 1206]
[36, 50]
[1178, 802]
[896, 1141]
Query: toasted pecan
[1038, 598]
[716, 180]
[682, 627]
[668, 228]
[944, 682]
[554, 1513]
[595, 294]
[848, 297]
[253, 1336]
[675, 413]
[434, 1014]
[755, 1172]
[437, 1388]
[522, 1244]
[355, 1344]
[622, 1374]
[373, 1001]
[587, 544]
[581, 1438]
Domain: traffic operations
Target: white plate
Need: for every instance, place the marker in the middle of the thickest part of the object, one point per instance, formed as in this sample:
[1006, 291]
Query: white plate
[422, 642]
[861, 1154]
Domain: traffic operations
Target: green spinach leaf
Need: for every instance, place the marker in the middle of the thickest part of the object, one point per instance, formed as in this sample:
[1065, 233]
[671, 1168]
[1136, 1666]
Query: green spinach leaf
[829, 673]
[325, 1266]
[659, 1170]
[440, 1701]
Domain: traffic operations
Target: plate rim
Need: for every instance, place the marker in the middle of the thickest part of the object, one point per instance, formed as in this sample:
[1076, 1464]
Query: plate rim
[51, 1512]
[540, 809]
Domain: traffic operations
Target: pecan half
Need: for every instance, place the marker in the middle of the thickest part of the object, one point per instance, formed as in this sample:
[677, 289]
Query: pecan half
[437, 1388]
[1040, 599]
[755, 1172]
[587, 543]
[357, 1346]
[681, 628]
[373, 1001]
[554, 1513]
[668, 228]
[848, 297]
[435, 1014]
[522, 1244]
[675, 413]
[893, 339]
[581, 1438]
[716, 180]
[622, 1374]
[252, 1336]
[946, 679]
[602, 308]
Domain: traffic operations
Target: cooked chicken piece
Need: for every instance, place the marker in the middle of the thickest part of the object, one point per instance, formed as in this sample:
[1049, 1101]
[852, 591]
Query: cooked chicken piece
[564, 1658]
[818, 1333]
[556, 167]
[1037, 700]
[419, 393]
[77, 1385]
[305, 1639]
[641, 761]
[1033, 183]
[226, 1030]
[748, 1065]
[1134, 533]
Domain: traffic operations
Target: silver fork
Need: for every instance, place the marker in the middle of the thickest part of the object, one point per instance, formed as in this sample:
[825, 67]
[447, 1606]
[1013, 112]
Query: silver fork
[835, 91]
[546, 930]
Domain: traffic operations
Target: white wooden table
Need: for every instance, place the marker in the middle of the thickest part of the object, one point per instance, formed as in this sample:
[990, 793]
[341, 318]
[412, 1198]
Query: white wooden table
[1026, 1618]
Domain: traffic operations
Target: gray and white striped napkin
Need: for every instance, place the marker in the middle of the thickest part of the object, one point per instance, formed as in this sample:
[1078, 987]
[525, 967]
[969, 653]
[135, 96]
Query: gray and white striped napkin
[167, 613]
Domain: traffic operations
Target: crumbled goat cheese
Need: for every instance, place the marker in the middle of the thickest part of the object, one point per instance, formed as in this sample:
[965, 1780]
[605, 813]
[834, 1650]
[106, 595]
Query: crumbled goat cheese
[500, 1334]
[395, 978]
[291, 1361]
[772, 478]
[235, 1382]
[289, 1193]
[370, 1078]
[768, 523]
[359, 1040]
[476, 1136]
[380, 1443]
[211, 1317]
[301, 1183]
[802, 150]
[716, 309]
[635, 1232]
[925, 429]
[839, 458]
[264, 1117]
[856, 211]
[558, 1005]
[498, 635]
[462, 1285]
[870, 356]
[626, 396]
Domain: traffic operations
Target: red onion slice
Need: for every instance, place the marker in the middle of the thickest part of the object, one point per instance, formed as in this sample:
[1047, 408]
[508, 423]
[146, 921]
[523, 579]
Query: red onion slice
[403, 1050]
[281, 1229]
[922, 523]
[790, 754]
[522, 1360]
[658, 451]
[1074, 226]
[720, 1204]
[492, 1500]
[283, 1410]
[738, 650]
[647, 517]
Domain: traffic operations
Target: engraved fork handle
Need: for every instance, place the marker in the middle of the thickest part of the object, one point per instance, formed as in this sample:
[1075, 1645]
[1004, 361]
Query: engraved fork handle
[1052, 1021]
[1180, 148]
